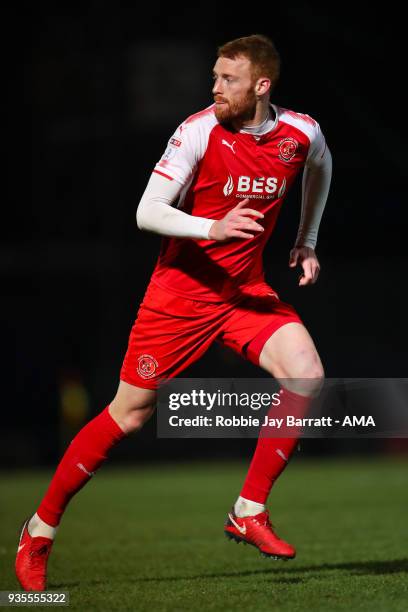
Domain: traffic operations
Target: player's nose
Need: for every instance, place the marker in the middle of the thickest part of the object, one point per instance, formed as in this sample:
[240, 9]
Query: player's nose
[217, 87]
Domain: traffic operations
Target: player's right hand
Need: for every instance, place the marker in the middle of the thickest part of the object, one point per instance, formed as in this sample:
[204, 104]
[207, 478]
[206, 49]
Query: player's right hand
[237, 223]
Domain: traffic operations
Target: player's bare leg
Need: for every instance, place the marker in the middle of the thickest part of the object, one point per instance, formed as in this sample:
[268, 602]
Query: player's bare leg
[291, 357]
[127, 413]
[132, 406]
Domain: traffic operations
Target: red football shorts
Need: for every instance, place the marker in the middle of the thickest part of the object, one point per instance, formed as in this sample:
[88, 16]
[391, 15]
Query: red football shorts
[171, 332]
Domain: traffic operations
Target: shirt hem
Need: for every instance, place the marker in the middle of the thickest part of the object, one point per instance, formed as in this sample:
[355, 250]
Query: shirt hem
[233, 297]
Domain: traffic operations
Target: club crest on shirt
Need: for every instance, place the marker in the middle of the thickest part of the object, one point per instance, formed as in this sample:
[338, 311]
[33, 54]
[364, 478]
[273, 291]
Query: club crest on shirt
[146, 366]
[287, 149]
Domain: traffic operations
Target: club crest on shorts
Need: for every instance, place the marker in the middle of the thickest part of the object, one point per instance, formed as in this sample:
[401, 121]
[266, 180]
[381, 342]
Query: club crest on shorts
[287, 148]
[146, 366]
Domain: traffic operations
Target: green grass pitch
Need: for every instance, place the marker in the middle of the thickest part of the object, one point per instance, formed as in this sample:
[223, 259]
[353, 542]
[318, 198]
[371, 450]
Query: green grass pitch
[151, 538]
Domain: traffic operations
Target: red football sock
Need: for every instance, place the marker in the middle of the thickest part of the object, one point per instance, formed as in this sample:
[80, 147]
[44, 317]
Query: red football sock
[87, 451]
[272, 454]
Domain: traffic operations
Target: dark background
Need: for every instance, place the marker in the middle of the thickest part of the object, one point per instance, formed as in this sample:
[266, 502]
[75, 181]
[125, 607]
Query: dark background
[94, 92]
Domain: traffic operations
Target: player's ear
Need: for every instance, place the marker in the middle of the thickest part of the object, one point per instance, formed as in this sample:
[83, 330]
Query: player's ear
[262, 86]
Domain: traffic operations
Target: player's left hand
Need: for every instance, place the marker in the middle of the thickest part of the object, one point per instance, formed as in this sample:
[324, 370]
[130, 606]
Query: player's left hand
[305, 257]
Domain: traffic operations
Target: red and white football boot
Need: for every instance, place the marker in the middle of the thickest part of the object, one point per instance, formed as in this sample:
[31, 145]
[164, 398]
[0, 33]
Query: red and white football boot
[31, 560]
[258, 531]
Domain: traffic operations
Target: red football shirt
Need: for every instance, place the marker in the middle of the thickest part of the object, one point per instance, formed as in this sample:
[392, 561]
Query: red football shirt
[217, 166]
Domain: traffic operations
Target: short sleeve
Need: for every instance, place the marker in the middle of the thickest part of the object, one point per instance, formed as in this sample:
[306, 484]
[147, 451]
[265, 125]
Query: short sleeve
[184, 150]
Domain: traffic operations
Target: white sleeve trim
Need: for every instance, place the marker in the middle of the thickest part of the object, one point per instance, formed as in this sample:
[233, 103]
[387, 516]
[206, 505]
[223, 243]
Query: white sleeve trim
[155, 212]
[315, 189]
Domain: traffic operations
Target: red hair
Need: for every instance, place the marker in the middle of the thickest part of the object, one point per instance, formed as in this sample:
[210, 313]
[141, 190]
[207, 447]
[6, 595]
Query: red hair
[259, 50]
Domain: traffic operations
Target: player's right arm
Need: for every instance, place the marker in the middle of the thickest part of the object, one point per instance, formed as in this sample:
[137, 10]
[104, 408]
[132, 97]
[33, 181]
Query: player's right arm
[155, 213]
[169, 181]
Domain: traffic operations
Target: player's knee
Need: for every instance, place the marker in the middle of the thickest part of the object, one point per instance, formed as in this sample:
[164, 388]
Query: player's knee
[308, 371]
[132, 406]
[303, 373]
[135, 418]
[310, 367]
[304, 363]
[132, 413]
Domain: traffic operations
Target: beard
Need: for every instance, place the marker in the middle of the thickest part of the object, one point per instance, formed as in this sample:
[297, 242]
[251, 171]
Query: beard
[239, 111]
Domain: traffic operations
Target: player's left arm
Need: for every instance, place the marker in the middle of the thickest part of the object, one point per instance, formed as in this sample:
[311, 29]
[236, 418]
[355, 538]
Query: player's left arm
[315, 189]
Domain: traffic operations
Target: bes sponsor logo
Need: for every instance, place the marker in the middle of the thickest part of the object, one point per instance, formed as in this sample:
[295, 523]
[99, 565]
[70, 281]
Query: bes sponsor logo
[146, 366]
[262, 188]
[175, 142]
[229, 186]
